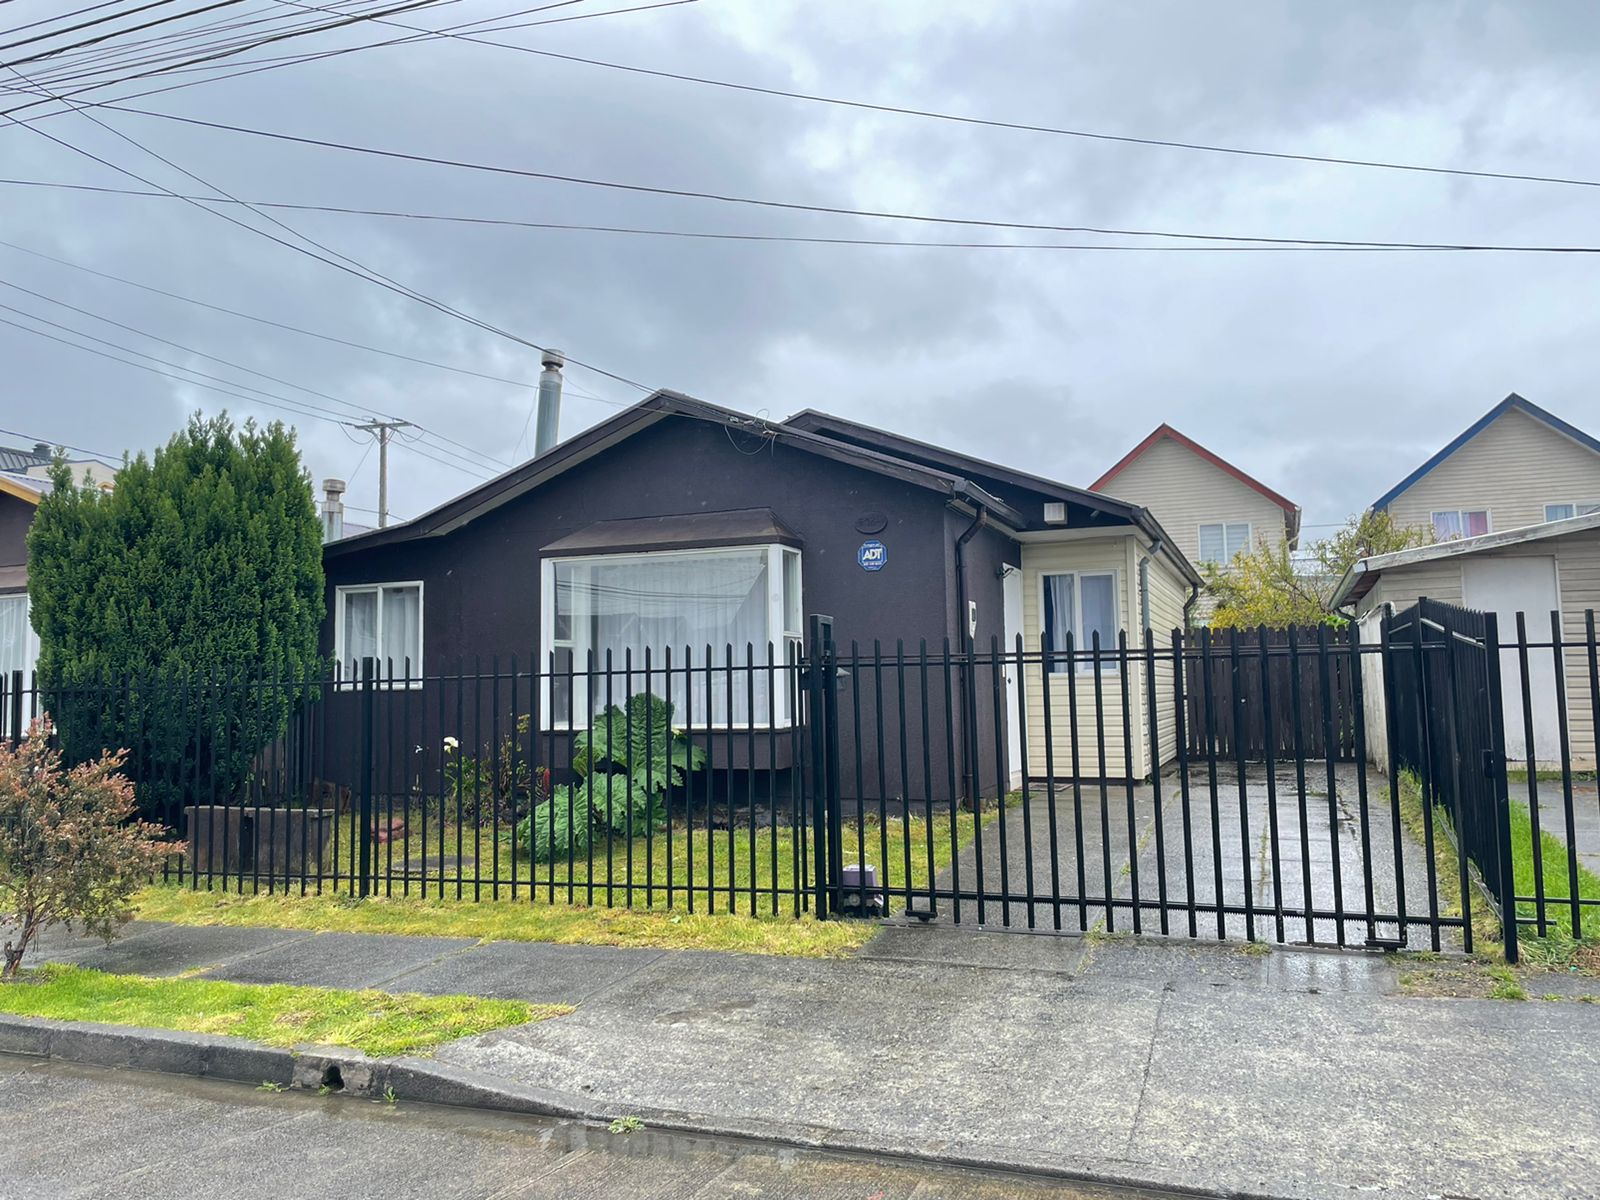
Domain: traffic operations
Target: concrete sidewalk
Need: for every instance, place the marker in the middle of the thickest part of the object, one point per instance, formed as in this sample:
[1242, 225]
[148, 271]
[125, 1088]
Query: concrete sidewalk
[1291, 1073]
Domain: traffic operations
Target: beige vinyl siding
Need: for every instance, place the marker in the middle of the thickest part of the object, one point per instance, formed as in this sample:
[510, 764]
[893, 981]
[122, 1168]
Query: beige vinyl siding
[1185, 491]
[1168, 592]
[1578, 589]
[1512, 468]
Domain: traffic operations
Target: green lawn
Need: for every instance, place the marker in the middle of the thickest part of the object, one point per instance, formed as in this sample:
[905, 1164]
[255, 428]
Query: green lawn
[1558, 880]
[378, 1023]
[1556, 948]
[722, 866]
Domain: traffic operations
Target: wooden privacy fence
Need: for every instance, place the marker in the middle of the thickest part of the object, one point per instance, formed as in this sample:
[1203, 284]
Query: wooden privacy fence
[1303, 695]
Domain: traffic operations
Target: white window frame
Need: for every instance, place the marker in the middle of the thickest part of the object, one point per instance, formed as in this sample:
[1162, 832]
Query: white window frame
[1461, 519]
[29, 639]
[1249, 539]
[782, 654]
[1085, 666]
[340, 596]
[1578, 508]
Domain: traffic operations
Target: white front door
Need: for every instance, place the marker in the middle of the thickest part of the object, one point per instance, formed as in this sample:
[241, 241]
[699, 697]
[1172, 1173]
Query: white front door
[1011, 595]
[1507, 586]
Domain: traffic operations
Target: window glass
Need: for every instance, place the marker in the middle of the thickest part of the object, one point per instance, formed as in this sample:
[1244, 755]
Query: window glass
[792, 616]
[1098, 595]
[1059, 619]
[401, 626]
[1585, 509]
[382, 622]
[1475, 523]
[1213, 544]
[360, 631]
[1238, 538]
[1558, 512]
[19, 648]
[1446, 525]
[1080, 606]
[711, 609]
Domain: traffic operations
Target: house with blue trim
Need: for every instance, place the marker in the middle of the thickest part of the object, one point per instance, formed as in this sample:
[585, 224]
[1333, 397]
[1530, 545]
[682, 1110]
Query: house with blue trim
[1517, 465]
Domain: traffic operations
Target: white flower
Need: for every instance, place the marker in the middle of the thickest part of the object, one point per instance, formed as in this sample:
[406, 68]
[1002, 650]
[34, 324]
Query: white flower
[450, 743]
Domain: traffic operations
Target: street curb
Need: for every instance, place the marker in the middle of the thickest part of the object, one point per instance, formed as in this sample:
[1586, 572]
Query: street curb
[424, 1081]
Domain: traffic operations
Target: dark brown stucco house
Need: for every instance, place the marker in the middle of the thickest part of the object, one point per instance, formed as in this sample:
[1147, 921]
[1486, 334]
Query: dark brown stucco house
[19, 648]
[733, 529]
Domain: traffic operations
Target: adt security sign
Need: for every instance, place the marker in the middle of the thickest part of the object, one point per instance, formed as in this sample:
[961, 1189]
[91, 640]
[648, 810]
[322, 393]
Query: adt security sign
[873, 555]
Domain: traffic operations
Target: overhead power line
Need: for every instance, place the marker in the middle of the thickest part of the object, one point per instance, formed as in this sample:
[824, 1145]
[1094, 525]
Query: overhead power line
[1031, 127]
[229, 52]
[283, 325]
[808, 240]
[53, 442]
[116, 33]
[750, 201]
[477, 458]
[218, 72]
[348, 265]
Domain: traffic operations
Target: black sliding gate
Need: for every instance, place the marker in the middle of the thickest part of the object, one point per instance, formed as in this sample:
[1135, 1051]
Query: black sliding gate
[1166, 787]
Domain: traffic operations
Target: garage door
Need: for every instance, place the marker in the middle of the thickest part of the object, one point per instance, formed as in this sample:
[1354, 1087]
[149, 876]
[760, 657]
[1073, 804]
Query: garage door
[1507, 586]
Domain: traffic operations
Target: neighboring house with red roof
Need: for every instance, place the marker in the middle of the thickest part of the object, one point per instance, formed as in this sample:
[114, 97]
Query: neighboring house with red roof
[1210, 507]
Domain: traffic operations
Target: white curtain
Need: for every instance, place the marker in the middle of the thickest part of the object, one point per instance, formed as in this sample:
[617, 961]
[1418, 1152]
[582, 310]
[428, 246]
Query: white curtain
[402, 631]
[1059, 618]
[360, 631]
[1098, 594]
[685, 602]
[19, 648]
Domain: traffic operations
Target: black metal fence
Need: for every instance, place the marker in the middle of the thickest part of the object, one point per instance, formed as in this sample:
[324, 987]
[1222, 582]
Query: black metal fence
[1098, 787]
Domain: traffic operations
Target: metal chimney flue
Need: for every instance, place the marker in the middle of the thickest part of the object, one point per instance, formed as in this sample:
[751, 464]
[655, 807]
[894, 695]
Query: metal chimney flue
[549, 402]
[332, 509]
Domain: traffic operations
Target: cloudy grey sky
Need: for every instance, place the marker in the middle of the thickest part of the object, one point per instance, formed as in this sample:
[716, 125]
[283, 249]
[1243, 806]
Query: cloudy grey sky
[1328, 375]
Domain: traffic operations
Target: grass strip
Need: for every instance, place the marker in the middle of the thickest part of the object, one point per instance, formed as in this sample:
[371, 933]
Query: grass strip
[380, 1024]
[507, 920]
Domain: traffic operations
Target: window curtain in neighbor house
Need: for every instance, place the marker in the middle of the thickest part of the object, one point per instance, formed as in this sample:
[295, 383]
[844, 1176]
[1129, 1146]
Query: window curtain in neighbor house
[360, 631]
[19, 648]
[402, 631]
[686, 602]
[1059, 618]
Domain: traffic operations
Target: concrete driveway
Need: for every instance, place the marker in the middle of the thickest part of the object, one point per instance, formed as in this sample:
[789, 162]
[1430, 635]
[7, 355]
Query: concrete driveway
[1262, 843]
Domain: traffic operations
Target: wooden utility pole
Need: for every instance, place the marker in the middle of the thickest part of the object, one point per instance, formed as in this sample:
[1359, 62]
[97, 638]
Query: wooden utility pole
[383, 431]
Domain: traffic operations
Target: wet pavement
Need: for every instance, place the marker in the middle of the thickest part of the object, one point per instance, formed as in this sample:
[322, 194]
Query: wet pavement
[1270, 845]
[86, 1133]
[1165, 1062]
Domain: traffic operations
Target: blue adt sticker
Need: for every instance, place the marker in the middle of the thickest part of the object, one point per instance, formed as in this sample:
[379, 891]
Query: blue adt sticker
[873, 556]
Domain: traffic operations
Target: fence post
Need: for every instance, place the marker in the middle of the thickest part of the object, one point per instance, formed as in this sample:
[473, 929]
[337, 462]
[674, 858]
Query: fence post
[16, 709]
[823, 684]
[364, 832]
[1496, 767]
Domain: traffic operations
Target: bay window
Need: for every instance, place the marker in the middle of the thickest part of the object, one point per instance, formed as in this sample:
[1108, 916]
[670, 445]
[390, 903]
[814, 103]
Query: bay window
[1459, 523]
[381, 621]
[19, 648]
[712, 611]
[1081, 605]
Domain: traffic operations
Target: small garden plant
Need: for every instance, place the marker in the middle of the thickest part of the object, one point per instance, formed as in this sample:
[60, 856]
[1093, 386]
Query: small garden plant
[70, 851]
[625, 762]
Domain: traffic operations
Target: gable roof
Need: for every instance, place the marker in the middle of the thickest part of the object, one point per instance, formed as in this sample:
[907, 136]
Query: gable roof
[658, 406]
[1363, 574]
[13, 458]
[1512, 401]
[1188, 443]
[815, 421]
